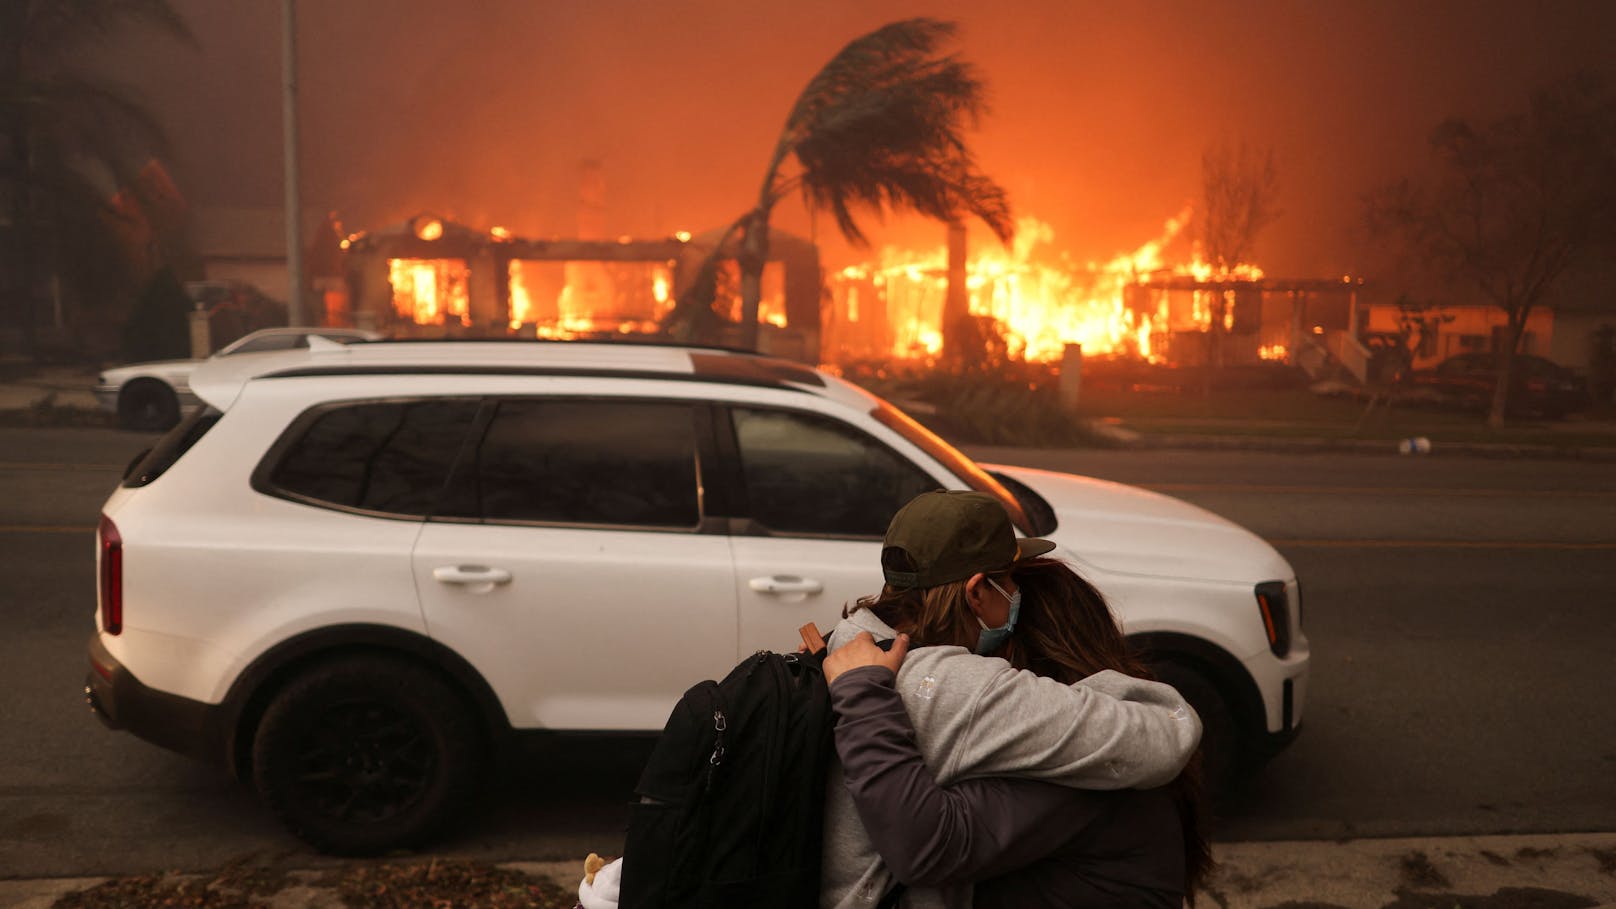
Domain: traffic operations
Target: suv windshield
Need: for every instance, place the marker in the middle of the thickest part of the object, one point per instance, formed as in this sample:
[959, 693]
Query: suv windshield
[957, 464]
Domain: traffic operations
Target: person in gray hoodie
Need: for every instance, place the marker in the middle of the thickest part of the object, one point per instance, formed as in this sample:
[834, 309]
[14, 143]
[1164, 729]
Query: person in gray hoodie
[947, 559]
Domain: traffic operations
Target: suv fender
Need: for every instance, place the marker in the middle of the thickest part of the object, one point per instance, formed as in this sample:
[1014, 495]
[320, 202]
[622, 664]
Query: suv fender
[256, 686]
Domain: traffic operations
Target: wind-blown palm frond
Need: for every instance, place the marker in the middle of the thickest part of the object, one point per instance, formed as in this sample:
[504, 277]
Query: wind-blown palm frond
[881, 127]
[52, 28]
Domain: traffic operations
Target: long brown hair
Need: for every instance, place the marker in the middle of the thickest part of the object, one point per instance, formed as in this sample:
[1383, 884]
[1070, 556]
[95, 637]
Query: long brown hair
[1065, 631]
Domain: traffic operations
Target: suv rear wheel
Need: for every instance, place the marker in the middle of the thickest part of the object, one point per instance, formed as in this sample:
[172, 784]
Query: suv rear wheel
[365, 754]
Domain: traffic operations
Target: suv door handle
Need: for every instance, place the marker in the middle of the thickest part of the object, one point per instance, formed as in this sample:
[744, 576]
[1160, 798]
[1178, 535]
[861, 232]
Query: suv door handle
[785, 583]
[471, 574]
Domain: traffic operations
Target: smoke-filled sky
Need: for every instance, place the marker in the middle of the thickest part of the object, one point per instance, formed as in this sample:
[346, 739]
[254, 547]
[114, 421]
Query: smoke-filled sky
[483, 111]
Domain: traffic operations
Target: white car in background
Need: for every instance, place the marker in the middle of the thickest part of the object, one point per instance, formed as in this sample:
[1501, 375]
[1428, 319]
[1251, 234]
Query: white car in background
[358, 569]
[153, 396]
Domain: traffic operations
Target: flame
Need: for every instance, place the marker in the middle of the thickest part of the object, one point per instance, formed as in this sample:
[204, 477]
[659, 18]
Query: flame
[429, 229]
[1044, 300]
[430, 291]
[568, 300]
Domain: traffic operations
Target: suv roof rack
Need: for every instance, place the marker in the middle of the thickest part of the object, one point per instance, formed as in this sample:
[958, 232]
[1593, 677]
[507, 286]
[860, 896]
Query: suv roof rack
[218, 382]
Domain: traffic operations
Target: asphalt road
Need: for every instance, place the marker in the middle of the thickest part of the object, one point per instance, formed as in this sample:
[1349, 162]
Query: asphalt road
[1460, 613]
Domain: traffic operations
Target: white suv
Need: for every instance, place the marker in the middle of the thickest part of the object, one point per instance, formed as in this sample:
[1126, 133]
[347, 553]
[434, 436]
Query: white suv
[358, 569]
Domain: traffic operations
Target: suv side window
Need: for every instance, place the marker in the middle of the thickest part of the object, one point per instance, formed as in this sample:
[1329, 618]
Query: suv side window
[586, 462]
[383, 456]
[806, 473]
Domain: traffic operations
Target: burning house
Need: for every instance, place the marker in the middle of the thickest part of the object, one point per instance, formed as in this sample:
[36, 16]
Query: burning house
[429, 278]
[1161, 303]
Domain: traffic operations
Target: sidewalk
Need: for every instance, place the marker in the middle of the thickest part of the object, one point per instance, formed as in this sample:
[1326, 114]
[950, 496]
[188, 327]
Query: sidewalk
[1572, 871]
[63, 387]
[1254, 435]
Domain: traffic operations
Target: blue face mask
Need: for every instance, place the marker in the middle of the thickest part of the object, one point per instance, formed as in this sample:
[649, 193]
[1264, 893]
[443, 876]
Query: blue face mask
[992, 639]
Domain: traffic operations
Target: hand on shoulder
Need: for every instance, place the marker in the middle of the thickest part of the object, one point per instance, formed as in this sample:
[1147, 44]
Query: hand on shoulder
[863, 651]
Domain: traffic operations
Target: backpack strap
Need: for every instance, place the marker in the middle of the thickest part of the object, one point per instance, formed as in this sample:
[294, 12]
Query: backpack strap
[815, 642]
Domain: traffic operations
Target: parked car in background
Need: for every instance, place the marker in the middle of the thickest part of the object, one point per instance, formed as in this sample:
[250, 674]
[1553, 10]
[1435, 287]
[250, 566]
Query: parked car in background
[1538, 386]
[356, 570]
[153, 396]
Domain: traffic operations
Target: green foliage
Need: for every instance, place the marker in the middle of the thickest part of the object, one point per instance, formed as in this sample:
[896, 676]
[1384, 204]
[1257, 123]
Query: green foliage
[1018, 404]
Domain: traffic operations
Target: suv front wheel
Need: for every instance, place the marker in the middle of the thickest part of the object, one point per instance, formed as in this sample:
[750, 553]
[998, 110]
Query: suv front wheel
[1220, 740]
[364, 754]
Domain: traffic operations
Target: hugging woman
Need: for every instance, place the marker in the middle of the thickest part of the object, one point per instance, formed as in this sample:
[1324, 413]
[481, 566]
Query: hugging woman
[1018, 755]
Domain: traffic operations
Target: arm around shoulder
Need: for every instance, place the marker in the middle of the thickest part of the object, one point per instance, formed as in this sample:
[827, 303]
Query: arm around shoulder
[1108, 731]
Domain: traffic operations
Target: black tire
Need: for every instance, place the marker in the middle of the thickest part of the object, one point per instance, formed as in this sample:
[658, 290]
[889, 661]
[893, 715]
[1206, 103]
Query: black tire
[365, 754]
[1221, 753]
[148, 405]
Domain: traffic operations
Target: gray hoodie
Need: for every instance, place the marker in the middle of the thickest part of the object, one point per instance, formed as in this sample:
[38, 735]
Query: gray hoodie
[979, 717]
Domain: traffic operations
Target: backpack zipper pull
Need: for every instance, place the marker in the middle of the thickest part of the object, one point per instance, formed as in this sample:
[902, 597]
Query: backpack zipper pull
[720, 723]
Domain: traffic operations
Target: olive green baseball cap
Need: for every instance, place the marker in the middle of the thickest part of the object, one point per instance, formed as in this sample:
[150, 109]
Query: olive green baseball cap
[949, 535]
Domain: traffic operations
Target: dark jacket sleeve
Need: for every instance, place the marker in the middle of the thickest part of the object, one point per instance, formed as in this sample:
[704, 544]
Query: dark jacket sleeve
[929, 835]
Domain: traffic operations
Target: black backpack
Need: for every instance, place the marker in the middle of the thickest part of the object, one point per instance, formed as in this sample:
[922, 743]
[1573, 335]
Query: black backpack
[731, 803]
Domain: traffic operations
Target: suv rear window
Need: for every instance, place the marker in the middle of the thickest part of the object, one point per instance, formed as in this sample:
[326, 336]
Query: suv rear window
[170, 448]
[391, 457]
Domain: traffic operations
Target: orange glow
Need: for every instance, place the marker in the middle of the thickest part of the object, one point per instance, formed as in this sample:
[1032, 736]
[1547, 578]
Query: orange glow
[1272, 352]
[521, 302]
[569, 300]
[430, 291]
[1043, 299]
[429, 229]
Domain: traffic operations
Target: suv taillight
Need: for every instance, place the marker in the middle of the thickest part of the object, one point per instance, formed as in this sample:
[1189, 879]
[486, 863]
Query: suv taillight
[111, 576]
[1276, 615]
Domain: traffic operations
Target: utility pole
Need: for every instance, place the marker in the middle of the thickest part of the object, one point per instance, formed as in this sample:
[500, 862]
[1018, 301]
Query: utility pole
[957, 299]
[294, 205]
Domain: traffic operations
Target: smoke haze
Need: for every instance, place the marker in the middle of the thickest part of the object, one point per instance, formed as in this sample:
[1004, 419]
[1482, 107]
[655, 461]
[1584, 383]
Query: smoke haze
[484, 112]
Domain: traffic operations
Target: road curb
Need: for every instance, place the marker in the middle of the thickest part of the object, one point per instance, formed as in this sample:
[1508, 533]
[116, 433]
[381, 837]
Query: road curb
[1482, 872]
[1314, 445]
[1497, 872]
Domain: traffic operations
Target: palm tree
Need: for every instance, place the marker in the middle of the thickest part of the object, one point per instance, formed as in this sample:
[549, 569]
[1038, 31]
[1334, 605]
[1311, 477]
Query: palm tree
[67, 140]
[879, 127]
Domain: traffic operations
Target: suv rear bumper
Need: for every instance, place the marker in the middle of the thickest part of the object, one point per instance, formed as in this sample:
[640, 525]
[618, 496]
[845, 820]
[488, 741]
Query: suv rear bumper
[122, 701]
